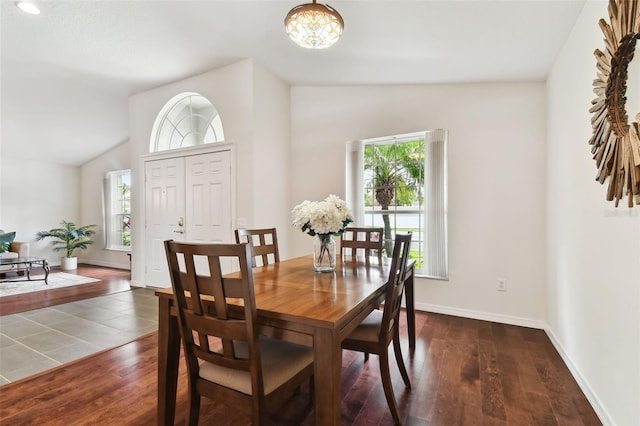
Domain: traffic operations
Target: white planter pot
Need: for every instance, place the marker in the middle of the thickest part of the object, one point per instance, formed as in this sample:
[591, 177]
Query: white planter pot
[68, 263]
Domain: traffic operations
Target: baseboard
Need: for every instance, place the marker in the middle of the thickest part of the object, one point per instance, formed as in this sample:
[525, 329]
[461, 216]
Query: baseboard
[601, 412]
[105, 264]
[137, 283]
[480, 315]
[593, 399]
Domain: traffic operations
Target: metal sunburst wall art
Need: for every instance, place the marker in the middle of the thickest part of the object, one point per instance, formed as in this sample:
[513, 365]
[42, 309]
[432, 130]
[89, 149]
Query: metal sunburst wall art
[616, 142]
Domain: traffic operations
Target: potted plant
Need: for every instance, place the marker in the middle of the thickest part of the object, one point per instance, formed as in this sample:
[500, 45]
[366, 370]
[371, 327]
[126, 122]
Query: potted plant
[68, 238]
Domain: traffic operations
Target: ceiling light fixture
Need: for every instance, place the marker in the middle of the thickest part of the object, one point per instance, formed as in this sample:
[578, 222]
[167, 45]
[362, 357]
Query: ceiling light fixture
[28, 7]
[314, 25]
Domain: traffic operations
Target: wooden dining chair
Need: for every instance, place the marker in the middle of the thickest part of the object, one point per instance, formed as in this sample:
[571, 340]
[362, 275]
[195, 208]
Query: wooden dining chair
[380, 328]
[365, 239]
[368, 240]
[226, 359]
[263, 243]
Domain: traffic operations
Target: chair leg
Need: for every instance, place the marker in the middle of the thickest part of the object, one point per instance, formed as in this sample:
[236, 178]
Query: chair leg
[388, 386]
[400, 361]
[366, 356]
[194, 408]
[312, 387]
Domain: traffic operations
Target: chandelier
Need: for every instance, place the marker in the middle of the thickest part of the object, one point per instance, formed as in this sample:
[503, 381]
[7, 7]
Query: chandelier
[313, 25]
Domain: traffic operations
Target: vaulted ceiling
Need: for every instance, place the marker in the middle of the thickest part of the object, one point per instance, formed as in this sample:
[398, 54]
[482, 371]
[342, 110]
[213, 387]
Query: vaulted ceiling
[65, 74]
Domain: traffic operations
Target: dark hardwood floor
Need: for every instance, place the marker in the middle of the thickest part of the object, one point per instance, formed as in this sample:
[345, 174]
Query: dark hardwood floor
[463, 371]
[111, 281]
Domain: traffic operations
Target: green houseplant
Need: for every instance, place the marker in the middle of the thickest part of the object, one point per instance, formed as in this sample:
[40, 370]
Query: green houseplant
[68, 238]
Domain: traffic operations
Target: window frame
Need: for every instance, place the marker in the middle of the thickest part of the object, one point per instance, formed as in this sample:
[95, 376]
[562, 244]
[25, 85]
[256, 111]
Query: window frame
[188, 119]
[432, 226]
[117, 207]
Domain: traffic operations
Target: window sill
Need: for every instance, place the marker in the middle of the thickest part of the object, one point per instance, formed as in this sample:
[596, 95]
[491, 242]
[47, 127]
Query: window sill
[430, 277]
[125, 250]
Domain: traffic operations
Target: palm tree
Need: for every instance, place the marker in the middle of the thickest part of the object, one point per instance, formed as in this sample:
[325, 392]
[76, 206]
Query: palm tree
[394, 169]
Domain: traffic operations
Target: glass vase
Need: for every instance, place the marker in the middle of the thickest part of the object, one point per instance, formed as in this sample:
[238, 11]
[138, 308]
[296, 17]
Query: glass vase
[324, 253]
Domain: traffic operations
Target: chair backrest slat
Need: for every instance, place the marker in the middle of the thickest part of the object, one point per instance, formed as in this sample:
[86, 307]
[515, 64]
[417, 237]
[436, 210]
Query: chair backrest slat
[395, 285]
[368, 239]
[263, 243]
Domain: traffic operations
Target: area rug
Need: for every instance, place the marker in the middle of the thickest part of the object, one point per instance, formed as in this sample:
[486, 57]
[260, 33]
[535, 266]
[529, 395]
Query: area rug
[55, 280]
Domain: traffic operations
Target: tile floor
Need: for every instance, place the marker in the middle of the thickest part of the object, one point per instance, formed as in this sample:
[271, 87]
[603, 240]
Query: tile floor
[34, 341]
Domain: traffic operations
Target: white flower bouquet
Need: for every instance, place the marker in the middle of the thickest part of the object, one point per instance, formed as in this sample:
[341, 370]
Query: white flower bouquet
[328, 217]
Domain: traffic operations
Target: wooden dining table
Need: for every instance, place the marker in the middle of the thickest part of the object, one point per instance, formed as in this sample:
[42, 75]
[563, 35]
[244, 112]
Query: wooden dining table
[295, 302]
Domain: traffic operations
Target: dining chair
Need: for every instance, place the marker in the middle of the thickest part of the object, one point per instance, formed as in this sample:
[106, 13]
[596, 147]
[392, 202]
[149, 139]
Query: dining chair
[363, 239]
[263, 243]
[367, 239]
[226, 359]
[380, 328]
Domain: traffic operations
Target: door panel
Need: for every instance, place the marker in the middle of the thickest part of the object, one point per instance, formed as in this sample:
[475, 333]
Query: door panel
[208, 183]
[164, 189]
[196, 188]
[208, 197]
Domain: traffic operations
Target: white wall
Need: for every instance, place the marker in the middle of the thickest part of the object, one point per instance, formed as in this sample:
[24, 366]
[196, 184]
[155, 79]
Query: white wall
[593, 248]
[271, 158]
[496, 181]
[91, 210]
[37, 196]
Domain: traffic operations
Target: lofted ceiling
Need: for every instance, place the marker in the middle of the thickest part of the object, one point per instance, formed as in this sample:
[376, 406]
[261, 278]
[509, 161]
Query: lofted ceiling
[65, 74]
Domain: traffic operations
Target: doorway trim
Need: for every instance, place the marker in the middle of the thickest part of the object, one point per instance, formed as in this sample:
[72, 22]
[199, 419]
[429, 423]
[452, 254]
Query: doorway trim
[175, 153]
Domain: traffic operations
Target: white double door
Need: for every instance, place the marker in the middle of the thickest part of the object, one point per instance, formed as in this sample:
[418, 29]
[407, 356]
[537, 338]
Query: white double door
[186, 199]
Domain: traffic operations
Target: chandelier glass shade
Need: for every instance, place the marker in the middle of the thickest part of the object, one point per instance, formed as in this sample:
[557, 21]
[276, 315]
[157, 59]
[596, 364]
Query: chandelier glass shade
[313, 25]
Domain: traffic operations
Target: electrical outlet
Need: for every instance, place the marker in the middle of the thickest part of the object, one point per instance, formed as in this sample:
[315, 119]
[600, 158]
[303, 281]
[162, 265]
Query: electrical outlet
[502, 284]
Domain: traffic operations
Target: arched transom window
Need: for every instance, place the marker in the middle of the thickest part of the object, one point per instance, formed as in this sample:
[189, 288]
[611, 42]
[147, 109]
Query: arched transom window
[189, 119]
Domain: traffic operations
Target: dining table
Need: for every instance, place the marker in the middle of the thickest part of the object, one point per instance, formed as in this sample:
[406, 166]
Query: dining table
[295, 302]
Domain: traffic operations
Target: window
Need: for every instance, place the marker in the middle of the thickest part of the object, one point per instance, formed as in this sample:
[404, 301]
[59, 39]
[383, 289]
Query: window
[189, 119]
[117, 217]
[399, 183]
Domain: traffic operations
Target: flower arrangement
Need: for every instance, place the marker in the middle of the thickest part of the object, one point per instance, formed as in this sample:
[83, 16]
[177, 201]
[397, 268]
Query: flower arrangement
[323, 219]
[328, 217]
